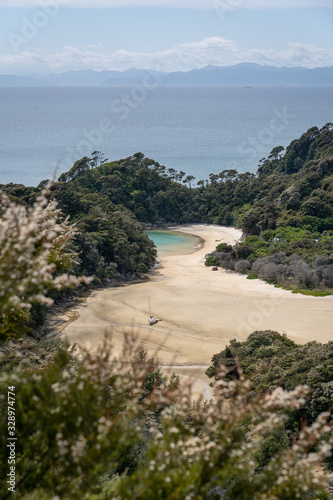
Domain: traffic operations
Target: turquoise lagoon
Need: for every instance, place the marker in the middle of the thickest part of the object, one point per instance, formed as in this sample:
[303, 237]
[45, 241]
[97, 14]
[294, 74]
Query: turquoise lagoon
[174, 242]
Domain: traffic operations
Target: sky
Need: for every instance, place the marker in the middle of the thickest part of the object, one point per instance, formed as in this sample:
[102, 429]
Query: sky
[53, 36]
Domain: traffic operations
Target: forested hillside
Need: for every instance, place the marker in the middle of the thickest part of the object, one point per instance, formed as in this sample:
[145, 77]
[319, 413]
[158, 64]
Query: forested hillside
[286, 210]
[292, 188]
[110, 241]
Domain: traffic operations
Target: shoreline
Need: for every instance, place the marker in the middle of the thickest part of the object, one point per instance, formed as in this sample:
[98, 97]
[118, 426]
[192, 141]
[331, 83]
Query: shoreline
[61, 315]
[182, 248]
[201, 310]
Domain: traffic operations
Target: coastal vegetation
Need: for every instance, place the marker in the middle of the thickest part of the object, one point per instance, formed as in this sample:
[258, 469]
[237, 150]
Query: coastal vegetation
[272, 360]
[285, 212]
[95, 426]
[286, 215]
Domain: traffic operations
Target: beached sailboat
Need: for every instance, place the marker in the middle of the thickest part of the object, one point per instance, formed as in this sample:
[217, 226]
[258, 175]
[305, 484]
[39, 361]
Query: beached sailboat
[152, 320]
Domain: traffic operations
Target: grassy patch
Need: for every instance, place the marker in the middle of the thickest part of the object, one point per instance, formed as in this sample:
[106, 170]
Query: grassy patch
[313, 293]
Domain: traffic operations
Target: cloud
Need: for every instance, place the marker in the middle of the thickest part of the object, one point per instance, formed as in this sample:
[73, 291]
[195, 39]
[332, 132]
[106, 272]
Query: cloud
[210, 43]
[296, 54]
[191, 4]
[181, 57]
[97, 46]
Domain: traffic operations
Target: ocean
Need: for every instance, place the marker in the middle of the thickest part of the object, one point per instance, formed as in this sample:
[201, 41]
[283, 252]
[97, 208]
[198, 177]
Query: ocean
[199, 130]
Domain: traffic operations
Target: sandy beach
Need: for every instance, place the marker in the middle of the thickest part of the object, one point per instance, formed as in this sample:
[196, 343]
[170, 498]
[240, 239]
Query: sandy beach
[200, 309]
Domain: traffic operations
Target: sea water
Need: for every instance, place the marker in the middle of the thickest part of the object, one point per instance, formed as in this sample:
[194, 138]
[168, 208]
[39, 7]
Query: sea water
[199, 130]
[173, 242]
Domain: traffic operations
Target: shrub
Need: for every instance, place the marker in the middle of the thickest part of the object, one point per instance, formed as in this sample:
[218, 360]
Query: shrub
[224, 247]
[212, 261]
[242, 266]
[34, 255]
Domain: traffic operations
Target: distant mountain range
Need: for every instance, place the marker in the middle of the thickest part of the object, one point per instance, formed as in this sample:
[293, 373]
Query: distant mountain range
[246, 74]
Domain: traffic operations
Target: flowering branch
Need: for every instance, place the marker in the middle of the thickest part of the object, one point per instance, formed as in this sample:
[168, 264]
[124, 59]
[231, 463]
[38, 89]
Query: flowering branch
[33, 245]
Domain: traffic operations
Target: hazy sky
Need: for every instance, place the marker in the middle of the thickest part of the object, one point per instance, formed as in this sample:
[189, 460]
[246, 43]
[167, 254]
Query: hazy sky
[58, 35]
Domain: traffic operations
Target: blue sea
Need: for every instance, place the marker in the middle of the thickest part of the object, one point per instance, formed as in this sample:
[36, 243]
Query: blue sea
[199, 130]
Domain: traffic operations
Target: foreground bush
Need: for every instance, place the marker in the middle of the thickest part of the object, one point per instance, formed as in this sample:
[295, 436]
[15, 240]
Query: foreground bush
[35, 258]
[93, 427]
